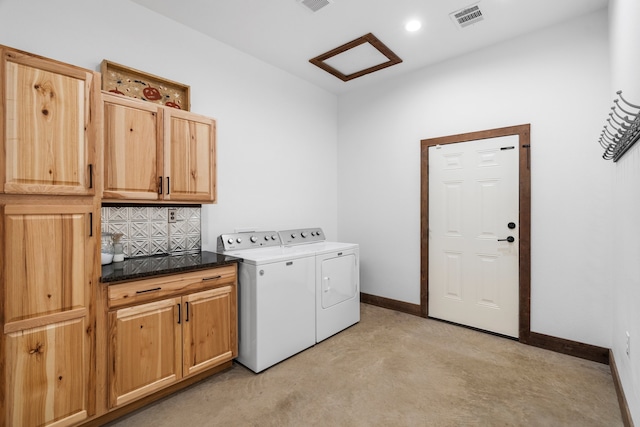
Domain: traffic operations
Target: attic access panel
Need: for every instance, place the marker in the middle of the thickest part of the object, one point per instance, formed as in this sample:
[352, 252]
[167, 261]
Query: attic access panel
[357, 58]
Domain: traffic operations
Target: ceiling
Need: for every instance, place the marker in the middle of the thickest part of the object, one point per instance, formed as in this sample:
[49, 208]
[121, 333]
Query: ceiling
[286, 34]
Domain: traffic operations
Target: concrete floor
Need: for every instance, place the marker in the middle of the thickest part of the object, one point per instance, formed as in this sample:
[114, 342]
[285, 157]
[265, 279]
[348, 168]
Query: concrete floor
[394, 369]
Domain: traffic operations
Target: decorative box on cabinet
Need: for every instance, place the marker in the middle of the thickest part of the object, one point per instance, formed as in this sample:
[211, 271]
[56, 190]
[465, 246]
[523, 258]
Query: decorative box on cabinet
[155, 153]
[48, 129]
[188, 325]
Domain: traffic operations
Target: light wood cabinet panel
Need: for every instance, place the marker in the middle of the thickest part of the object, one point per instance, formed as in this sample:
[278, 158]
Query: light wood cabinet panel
[47, 272]
[47, 263]
[50, 116]
[189, 157]
[47, 144]
[209, 329]
[145, 290]
[155, 344]
[145, 351]
[47, 375]
[156, 153]
[133, 138]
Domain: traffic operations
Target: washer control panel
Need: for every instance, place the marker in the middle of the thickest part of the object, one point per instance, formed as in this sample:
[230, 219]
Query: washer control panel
[248, 240]
[299, 236]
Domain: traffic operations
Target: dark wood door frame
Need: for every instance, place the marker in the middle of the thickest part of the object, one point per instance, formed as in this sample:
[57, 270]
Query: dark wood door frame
[523, 132]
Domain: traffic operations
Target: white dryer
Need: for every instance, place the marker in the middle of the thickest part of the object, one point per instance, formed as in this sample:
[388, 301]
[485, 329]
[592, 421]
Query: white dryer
[337, 288]
[337, 279]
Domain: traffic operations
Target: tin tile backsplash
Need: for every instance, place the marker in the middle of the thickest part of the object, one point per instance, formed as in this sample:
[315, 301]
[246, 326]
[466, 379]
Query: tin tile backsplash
[147, 230]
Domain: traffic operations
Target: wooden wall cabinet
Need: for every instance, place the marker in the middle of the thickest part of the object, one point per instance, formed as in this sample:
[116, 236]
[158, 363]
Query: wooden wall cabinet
[156, 153]
[189, 157]
[47, 269]
[156, 344]
[47, 126]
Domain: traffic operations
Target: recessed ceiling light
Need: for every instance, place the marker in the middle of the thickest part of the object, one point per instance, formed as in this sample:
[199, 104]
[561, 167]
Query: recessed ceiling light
[413, 25]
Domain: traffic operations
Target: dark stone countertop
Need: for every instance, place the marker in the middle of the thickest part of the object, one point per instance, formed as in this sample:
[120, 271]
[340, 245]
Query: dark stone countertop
[145, 267]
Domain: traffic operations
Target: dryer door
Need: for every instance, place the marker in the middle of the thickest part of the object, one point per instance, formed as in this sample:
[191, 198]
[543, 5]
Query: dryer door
[339, 278]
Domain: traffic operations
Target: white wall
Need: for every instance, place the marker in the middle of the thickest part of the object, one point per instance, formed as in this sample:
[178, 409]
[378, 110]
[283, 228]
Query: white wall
[557, 80]
[625, 66]
[277, 135]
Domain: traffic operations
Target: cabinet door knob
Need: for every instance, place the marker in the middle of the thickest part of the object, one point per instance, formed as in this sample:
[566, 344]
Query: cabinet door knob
[179, 312]
[160, 185]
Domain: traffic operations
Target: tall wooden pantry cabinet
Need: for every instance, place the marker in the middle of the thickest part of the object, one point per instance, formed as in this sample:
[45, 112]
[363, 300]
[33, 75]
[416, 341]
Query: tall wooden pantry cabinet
[49, 226]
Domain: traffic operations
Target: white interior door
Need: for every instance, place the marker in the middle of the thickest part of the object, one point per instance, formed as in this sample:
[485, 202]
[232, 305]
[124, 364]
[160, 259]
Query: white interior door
[473, 210]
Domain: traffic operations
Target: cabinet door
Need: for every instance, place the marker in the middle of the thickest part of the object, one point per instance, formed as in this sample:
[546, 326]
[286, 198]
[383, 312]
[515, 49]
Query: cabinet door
[209, 329]
[47, 274]
[189, 157]
[47, 261]
[48, 145]
[47, 370]
[132, 149]
[145, 352]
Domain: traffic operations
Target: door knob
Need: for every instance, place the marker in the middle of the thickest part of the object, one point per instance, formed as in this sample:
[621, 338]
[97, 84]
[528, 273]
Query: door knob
[509, 239]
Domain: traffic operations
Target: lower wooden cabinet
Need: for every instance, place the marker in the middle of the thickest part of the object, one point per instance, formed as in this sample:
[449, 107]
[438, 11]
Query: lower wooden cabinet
[145, 354]
[47, 377]
[208, 334]
[156, 344]
[47, 264]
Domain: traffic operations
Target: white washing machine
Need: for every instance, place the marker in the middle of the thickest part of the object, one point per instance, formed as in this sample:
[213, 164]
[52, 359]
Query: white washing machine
[337, 279]
[276, 298]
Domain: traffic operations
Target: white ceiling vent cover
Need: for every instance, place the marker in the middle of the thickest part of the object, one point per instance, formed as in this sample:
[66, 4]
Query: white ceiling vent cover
[314, 5]
[467, 16]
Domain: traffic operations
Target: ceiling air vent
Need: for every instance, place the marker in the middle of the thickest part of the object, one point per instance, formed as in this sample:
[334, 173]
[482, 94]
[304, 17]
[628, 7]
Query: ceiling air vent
[467, 16]
[314, 5]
